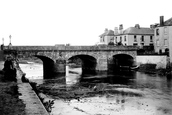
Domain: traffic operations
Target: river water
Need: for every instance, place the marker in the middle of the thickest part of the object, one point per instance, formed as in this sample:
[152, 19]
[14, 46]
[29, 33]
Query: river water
[136, 94]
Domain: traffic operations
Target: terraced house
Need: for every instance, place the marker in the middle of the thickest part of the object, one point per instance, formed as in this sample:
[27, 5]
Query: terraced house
[132, 36]
[136, 36]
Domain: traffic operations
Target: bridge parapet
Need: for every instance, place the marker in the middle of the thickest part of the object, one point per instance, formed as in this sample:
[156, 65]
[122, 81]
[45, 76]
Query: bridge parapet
[75, 48]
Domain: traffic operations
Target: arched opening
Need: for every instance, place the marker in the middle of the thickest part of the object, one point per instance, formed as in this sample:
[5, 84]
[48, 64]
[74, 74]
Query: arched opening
[120, 62]
[48, 66]
[85, 62]
[167, 51]
[160, 51]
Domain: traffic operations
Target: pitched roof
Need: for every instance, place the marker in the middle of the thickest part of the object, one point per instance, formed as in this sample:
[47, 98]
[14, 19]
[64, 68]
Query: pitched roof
[108, 33]
[102, 35]
[140, 31]
[168, 22]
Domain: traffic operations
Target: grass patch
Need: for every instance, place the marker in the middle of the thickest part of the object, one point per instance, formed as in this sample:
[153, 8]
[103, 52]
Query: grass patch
[10, 104]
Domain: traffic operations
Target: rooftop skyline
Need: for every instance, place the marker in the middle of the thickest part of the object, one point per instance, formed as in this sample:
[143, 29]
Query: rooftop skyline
[77, 22]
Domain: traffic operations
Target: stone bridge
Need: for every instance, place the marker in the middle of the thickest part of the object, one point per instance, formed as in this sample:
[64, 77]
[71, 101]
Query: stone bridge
[93, 58]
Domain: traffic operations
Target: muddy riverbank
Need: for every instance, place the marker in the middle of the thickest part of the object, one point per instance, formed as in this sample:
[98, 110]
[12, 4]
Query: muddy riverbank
[96, 98]
[151, 69]
[82, 90]
[143, 93]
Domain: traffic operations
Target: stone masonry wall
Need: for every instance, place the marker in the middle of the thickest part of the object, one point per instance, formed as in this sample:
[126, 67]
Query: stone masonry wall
[160, 61]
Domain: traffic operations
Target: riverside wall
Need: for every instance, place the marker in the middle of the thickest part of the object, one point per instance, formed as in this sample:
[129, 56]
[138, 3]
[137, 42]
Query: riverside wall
[161, 61]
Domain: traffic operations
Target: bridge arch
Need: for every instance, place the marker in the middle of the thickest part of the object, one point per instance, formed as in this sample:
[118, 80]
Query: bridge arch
[72, 54]
[45, 54]
[48, 66]
[87, 63]
[121, 61]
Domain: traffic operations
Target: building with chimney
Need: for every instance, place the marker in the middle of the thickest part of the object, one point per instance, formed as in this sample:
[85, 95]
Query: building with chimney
[132, 36]
[163, 37]
[107, 37]
[135, 36]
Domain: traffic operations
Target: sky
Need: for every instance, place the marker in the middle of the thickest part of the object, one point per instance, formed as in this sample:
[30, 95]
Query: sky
[74, 22]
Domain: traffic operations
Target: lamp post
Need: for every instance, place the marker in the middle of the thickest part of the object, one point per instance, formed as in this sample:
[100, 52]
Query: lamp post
[10, 45]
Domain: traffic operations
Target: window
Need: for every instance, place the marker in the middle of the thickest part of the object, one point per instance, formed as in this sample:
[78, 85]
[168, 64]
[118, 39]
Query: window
[160, 51]
[157, 32]
[167, 51]
[116, 39]
[151, 44]
[120, 38]
[125, 38]
[103, 39]
[134, 44]
[165, 42]
[151, 38]
[142, 38]
[135, 38]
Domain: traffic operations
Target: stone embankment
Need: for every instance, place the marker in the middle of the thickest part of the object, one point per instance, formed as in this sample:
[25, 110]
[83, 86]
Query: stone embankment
[22, 95]
[34, 106]
[45, 102]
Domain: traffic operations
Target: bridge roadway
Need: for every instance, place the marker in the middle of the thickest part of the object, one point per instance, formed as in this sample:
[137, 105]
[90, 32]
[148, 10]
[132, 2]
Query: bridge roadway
[93, 58]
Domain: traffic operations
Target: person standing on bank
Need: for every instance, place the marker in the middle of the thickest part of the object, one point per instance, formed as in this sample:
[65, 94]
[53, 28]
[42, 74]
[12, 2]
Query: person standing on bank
[10, 71]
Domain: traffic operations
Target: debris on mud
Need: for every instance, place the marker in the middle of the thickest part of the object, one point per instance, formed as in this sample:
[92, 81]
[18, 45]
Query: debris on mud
[83, 90]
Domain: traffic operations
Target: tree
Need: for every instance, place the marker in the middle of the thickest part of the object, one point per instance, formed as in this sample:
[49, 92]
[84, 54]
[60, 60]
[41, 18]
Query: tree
[111, 43]
[119, 43]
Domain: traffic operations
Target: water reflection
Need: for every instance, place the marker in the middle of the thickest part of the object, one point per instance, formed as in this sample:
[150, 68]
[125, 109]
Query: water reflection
[123, 93]
[169, 84]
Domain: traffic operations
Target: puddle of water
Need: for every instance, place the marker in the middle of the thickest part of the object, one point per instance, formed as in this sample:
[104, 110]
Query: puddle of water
[116, 105]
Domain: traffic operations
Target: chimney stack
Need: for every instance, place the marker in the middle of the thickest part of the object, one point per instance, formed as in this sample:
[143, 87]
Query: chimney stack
[137, 26]
[161, 20]
[106, 30]
[152, 26]
[120, 29]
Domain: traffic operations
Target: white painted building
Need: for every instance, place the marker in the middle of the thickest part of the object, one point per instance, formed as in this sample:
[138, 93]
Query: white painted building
[106, 37]
[163, 37]
[136, 36]
[132, 36]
